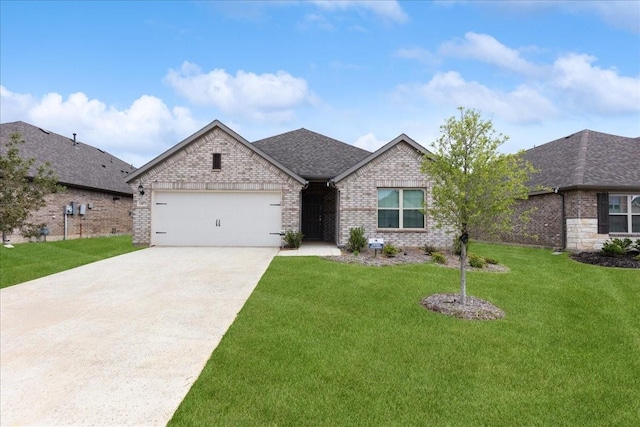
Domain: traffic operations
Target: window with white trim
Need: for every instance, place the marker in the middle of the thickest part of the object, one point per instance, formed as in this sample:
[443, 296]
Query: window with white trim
[624, 213]
[400, 208]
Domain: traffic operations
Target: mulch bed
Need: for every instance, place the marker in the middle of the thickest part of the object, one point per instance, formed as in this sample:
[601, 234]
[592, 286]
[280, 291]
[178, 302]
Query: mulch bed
[597, 258]
[408, 256]
[451, 305]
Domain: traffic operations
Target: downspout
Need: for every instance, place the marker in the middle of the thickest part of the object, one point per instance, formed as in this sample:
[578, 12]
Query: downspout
[563, 221]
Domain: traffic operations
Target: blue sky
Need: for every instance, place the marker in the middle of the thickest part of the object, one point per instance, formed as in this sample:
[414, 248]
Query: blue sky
[135, 78]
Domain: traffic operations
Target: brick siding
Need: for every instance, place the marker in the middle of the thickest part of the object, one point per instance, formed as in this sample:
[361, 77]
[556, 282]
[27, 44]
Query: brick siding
[190, 169]
[400, 167]
[107, 216]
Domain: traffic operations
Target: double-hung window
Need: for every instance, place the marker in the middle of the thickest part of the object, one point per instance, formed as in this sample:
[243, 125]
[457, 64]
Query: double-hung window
[400, 208]
[624, 213]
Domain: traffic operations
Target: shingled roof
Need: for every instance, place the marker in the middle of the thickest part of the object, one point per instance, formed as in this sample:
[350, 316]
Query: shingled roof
[587, 159]
[311, 155]
[77, 165]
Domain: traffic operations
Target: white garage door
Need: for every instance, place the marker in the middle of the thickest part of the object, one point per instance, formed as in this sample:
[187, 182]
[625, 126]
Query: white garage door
[216, 219]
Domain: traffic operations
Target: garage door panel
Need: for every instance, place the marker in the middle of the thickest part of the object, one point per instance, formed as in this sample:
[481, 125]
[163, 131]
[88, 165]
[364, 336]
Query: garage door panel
[216, 219]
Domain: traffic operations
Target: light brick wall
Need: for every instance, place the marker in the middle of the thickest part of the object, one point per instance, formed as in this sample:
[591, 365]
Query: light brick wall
[400, 167]
[190, 169]
[105, 218]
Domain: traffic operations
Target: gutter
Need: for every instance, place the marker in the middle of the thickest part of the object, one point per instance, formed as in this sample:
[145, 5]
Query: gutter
[563, 221]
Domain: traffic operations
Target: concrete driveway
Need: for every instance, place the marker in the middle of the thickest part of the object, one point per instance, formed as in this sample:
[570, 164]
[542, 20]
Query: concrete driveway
[119, 341]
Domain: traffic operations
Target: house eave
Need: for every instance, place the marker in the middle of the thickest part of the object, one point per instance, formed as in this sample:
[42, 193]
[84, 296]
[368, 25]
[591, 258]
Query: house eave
[216, 123]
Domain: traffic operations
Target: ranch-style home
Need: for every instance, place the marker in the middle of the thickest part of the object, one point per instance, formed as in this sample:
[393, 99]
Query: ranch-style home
[590, 192]
[97, 195]
[215, 188]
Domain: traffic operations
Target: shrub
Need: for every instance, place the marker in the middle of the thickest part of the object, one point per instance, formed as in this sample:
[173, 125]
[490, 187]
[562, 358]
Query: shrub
[491, 261]
[457, 246]
[356, 241]
[616, 247]
[390, 251]
[477, 261]
[438, 257]
[32, 230]
[637, 244]
[637, 257]
[293, 239]
[428, 249]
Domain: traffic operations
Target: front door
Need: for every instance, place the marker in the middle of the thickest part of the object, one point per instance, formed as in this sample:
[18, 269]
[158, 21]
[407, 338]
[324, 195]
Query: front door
[312, 217]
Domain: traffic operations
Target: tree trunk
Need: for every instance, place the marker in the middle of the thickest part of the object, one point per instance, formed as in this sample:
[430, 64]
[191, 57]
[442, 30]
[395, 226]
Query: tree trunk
[463, 273]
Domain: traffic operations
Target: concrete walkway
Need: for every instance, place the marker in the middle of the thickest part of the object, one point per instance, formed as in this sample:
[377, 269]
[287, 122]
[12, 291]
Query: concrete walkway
[119, 341]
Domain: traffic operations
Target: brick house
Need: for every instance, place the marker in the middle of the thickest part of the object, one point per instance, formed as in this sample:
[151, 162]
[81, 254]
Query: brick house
[591, 192]
[101, 201]
[215, 188]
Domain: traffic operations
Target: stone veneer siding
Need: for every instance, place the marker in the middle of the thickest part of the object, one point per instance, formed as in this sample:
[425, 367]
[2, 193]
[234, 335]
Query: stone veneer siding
[545, 227]
[190, 169]
[400, 167]
[105, 218]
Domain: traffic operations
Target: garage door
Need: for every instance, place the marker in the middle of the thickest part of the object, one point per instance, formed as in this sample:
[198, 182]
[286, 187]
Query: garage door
[216, 219]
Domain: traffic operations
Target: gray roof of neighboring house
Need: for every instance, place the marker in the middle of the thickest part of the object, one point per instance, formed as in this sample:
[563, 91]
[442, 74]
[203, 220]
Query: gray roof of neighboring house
[587, 159]
[81, 166]
[311, 155]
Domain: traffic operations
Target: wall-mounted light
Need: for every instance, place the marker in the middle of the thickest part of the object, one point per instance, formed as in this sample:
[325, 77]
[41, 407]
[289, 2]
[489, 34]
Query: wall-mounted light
[141, 190]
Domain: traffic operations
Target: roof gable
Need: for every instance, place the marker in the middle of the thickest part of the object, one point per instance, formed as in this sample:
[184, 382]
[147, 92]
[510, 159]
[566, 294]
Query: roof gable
[77, 164]
[586, 159]
[310, 154]
[402, 138]
[191, 139]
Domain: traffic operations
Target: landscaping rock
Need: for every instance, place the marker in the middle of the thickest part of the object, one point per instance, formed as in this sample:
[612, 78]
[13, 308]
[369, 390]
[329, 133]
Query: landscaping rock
[451, 305]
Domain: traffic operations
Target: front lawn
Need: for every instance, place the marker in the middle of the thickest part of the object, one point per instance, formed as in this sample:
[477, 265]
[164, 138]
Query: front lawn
[28, 261]
[324, 343]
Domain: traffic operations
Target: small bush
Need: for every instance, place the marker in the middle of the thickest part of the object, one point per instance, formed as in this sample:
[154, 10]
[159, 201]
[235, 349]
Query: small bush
[390, 251]
[356, 241]
[637, 257]
[477, 261]
[356, 253]
[438, 257]
[428, 249]
[32, 230]
[616, 247]
[491, 260]
[293, 239]
[457, 246]
[637, 244]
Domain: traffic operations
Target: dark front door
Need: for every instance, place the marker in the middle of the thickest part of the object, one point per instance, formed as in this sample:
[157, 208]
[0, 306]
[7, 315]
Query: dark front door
[312, 217]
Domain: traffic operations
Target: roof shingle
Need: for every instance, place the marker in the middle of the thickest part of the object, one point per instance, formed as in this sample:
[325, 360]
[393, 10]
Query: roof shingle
[311, 155]
[587, 159]
[78, 165]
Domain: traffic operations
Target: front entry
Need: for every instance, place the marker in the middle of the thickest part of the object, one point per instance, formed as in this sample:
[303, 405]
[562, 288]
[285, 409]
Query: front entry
[312, 224]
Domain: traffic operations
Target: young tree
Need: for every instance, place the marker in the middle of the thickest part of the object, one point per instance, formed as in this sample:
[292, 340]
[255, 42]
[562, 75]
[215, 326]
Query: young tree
[474, 187]
[24, 186]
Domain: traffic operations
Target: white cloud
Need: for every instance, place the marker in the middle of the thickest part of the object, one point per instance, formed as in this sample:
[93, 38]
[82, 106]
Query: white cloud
[570, 85]
[369, 142]
[264, 96]
[523, 104]
[486, 48]
[390, 10]
[135, 134]
[416, 53]
[593, 89]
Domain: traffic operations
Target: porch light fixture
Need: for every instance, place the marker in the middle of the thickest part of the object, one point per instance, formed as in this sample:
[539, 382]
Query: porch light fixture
[141, 190]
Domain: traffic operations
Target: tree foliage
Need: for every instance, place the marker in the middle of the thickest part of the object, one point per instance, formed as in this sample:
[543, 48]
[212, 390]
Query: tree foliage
[24, 186]
[474, 187]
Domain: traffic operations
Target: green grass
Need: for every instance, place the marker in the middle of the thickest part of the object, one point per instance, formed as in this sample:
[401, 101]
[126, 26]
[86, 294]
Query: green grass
[28, 261]
[322, 343]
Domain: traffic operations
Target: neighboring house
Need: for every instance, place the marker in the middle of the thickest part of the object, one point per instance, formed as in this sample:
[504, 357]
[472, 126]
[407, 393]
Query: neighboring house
[217, 189]
[96, 189]
[591, 192]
